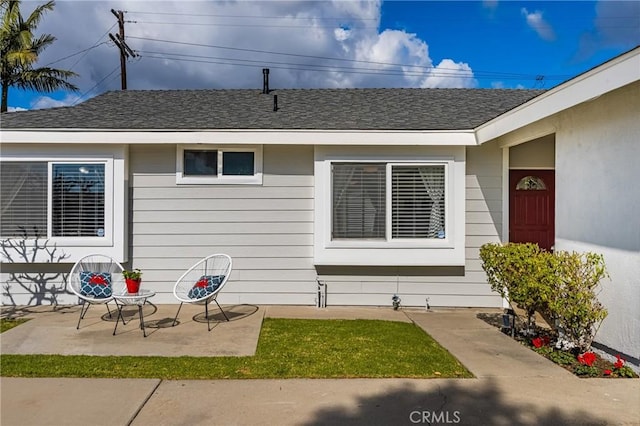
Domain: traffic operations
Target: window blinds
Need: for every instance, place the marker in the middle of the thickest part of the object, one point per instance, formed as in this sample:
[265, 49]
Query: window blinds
[23, 199]
[359, 200]
[77, 200]
[418, 202]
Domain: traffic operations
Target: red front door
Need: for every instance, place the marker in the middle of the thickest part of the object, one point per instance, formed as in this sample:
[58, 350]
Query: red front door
[532, 207]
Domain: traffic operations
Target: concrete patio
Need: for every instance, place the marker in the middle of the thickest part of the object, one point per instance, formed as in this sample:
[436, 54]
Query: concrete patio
[52, 330]
[513, 385]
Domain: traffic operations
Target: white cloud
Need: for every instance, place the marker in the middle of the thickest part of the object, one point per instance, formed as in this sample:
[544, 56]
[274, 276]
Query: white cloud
[538, 24]
[43, 102]
[14, 109]
[502, 85]
[309, 32]
[450, 74]
[341, 34]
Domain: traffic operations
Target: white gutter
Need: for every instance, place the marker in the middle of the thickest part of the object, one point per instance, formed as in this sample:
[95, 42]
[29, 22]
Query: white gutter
[240, 137]
[605, 78]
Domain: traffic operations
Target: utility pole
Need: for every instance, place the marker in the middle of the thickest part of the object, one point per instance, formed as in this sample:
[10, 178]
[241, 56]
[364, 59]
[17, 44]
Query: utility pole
[125, 51]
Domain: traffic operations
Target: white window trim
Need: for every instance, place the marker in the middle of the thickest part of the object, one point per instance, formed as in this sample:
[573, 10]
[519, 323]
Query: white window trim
[219, 179]
[114, 241]
[107, 239]
[96, 241]
[449, 251]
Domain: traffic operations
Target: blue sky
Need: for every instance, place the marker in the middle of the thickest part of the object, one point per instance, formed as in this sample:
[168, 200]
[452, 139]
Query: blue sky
[510, 44]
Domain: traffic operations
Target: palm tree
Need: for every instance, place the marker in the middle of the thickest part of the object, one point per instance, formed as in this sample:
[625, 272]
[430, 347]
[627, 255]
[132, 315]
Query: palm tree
[19, 50]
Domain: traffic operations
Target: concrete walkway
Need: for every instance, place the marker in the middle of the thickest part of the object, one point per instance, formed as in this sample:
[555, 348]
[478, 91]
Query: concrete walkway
[514, 386]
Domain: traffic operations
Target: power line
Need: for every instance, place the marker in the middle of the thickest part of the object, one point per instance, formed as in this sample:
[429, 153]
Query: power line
[95, 44]
[330, 68]
[74, 54]
[293, 68]
[497, 74]
[367, 71]
[450, 19]
[212, 24]
[249, 16]
[95, 85]
[100, 38]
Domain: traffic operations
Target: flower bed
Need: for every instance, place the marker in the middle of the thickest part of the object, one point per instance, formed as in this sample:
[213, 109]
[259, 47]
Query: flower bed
[545, 343]
[588, 364]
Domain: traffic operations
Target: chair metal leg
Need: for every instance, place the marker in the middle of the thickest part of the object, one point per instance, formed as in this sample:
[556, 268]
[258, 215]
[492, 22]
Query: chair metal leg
[83, 311]
[176, 318]
[108, 309]
[206, 314]
[144, 333]
[220, 307]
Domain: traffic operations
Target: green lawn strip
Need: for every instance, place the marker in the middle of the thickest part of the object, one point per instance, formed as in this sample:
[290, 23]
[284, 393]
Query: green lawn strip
[8, 324]
[287, 349]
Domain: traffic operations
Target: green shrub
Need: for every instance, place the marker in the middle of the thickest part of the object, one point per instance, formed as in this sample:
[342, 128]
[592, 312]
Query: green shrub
[561, 286]
[521, 273]
[574, 303]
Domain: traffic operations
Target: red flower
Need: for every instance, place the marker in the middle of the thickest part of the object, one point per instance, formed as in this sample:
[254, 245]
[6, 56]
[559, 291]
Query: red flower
[607, 372]
[587, 358]
[537, 342]
[619, 362]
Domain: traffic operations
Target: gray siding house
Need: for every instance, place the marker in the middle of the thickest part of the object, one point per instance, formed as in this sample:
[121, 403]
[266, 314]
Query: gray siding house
[373, 192]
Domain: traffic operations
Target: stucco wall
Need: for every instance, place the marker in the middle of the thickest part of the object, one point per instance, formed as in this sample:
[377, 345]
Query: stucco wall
[536, 154]
[598, 202]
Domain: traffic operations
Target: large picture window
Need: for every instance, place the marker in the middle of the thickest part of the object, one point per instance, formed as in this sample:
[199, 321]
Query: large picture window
[52, 199]
[388, 201]
[389, 206]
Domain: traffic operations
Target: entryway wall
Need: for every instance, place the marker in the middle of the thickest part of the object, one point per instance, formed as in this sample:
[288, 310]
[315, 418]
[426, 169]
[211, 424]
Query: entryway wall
[536, 154]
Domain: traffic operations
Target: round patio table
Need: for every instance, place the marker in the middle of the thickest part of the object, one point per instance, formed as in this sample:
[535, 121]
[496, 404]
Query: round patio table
[139, 298]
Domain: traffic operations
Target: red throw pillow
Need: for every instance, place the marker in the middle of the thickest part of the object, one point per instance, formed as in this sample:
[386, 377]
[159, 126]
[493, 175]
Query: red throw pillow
[202, 282]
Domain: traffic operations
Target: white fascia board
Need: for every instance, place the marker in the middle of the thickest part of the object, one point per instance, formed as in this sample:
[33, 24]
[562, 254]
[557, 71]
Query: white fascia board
[607, 77]
[240, 137]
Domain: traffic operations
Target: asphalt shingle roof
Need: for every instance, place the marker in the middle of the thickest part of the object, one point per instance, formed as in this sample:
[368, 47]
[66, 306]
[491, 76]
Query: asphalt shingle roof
[322, 109]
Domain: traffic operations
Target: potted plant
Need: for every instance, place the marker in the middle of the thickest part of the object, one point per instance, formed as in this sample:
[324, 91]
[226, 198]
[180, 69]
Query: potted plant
[132, 278]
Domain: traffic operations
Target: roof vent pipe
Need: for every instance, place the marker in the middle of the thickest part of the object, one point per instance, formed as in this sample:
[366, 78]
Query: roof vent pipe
[275, 102]
[265, 81]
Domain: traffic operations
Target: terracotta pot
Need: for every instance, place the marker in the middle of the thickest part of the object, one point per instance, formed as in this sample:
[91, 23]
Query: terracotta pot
[133, 286]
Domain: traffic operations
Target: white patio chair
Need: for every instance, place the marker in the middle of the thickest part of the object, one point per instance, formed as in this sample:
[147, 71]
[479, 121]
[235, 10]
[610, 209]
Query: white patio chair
[94, 279]
[202, 283]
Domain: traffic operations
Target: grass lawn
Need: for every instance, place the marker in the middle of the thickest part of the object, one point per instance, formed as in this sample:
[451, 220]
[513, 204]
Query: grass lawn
[8, 324]
[287, 348]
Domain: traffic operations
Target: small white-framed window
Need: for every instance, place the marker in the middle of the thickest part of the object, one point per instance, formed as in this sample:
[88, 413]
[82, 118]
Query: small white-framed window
[223, 164]
[56, 199]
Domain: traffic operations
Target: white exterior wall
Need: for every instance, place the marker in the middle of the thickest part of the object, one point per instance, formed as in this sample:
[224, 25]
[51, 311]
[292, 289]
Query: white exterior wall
[598, 203]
